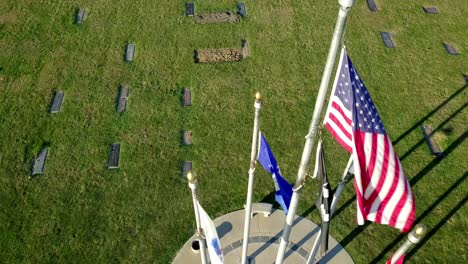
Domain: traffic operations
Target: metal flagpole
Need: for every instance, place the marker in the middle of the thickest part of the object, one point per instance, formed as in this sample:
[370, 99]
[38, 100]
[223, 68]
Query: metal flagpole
[248, 203]
[305, 160]
[347, 174]
[413, 238]
[193, 183]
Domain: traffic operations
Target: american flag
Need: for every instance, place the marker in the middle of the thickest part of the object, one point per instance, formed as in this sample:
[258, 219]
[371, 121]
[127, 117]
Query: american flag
[383, 193]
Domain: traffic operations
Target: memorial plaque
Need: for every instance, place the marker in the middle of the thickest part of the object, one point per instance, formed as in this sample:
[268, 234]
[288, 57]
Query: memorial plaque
[80, 16]
[130, 52]
[372, 5]
[387, 39]
[123, 98]
[451, 49]
[431, 142]
[241, 9]
[39, 162]
[245, 49]
[186, 168]
[186, 97]
[114, 156]
[188, 137]
[56, 102]
[430, 10]
[189, 9]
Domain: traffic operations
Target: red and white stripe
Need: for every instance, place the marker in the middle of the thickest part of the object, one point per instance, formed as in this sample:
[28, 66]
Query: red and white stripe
[383, 193]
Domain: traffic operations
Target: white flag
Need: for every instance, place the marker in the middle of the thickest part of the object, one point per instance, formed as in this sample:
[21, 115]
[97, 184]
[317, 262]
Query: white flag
[212, 240]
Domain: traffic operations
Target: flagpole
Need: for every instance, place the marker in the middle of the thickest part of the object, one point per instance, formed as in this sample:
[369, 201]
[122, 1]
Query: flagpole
[193, 184]
[345, 6]
[413, 238]
[344, 179]
[248, 203]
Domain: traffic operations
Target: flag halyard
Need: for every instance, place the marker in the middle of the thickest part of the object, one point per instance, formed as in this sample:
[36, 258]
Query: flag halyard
[383, 193]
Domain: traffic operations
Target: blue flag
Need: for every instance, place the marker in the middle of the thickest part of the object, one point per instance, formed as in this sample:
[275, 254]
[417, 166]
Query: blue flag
[282, 187]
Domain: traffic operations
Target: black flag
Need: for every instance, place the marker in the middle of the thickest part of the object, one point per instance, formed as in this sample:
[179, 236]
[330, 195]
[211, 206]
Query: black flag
[324, 196]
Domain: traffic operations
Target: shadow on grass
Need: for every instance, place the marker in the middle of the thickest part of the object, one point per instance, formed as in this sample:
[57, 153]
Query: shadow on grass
[420, 122]
[422, 216]
[345, 241]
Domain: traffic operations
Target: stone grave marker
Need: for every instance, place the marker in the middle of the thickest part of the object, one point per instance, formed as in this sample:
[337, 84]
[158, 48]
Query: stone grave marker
[56, 102]
[189, 9]
[372, 5]
[245, 49]
[186, 168]
[122, 99]
[430, 10]
[186, 97]
[451, 49]
[241, 9]
[431, 141]
[130, 52]
[114, 156]
[188, 135]
[39, 162]
[80, 16]
[387, 39]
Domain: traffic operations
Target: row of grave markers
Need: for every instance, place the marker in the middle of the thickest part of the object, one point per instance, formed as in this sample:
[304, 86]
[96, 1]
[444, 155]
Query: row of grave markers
[387, 36]
[114, 154]
[451, 50]
[208, 56]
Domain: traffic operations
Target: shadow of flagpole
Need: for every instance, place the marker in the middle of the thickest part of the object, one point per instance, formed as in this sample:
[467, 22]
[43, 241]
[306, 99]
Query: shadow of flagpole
[420, 218]
[345, 241]
[421, 121]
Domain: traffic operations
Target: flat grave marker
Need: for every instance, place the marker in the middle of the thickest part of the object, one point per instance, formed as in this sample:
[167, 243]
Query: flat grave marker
[130, 52]
[189, 9]
[431, 141]
[451, 49]
[80, 16]
[387, 39]
[245, 49]
[372, 5]
[430, 10]
[188, 135]
[114, 157]
[241, 9]
[186, 97]
[56, 102]
[188, 166]
[122, 99]
[39, 162]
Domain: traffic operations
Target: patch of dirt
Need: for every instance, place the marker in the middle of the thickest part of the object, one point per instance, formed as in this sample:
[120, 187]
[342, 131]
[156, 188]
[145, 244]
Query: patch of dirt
[8, 18]
[218, 17]
[218, 55]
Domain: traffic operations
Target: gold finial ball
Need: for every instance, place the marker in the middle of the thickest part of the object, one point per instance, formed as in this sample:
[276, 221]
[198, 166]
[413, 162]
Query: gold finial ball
[420, 230]
[258, 96]
[191, 177]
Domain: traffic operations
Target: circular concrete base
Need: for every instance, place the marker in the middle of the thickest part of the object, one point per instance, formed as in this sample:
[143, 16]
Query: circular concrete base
[265, 232]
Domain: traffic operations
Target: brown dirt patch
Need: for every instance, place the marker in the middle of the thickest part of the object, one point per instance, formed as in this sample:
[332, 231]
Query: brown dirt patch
[218, 55]
[218, 17]
[8, 18]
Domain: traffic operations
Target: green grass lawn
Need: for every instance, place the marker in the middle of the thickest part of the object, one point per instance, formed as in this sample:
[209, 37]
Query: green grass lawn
[79, 211]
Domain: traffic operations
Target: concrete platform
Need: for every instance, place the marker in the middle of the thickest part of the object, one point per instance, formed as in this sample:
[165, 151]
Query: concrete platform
[264, 240]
